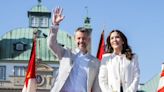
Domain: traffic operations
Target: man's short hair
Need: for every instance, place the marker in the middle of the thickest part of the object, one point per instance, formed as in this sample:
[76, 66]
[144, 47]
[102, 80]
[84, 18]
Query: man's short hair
[83, 29]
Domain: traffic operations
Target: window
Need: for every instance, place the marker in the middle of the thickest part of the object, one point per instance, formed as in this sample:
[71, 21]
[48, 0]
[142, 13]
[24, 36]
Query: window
[34, 21]
[19, 70]
[43, 22]
[2, 72]
[20, 46]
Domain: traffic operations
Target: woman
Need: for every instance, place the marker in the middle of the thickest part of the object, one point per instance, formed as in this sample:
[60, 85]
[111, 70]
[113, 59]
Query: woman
[119, 70]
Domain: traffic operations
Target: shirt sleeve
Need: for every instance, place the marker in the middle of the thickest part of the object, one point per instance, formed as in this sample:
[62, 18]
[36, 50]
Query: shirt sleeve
[55, 48]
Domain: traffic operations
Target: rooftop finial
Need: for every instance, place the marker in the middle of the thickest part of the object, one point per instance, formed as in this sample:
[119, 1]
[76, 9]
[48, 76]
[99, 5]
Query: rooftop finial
[39, 1]
[87, 19]
[86, 7]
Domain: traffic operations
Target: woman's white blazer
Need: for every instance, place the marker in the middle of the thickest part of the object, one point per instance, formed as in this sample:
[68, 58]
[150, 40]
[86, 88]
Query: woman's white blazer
[109, 74]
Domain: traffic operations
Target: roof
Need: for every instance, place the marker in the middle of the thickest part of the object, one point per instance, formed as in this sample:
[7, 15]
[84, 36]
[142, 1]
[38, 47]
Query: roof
[39, 8]
[25, 36]
[151, 85]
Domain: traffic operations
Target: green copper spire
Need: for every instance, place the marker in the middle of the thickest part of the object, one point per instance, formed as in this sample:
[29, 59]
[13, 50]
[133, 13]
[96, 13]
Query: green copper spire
[87, 20]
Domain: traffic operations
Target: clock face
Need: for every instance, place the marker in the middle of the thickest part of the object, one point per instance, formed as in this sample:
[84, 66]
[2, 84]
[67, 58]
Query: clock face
[39, 79]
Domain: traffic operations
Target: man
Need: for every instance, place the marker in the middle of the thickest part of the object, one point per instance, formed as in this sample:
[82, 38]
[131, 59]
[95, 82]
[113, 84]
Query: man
[78, 70]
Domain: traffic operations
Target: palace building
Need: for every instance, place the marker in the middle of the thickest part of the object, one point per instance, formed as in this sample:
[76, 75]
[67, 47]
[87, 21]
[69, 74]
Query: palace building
[15, 47]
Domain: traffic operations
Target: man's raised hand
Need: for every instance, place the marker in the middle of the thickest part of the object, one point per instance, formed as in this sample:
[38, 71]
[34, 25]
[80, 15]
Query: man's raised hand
[57, 16]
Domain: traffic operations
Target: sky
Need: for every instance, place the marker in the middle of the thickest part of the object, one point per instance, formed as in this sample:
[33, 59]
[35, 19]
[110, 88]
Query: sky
[142, 21]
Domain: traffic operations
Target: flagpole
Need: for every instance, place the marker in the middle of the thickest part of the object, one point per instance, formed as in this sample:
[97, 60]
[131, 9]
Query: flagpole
[101, 47]
[30, 84]
[161, 80]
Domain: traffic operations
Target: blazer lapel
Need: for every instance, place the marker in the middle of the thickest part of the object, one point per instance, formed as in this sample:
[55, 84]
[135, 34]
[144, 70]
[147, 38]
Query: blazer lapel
[91, 74]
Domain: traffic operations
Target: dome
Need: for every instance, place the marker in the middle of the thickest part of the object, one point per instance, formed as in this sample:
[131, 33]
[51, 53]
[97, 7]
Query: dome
[25, 36]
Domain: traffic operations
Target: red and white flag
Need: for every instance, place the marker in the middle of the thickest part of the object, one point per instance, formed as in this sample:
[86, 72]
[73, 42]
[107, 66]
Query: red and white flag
[101, 48]
[161, 82]
[30, 84]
